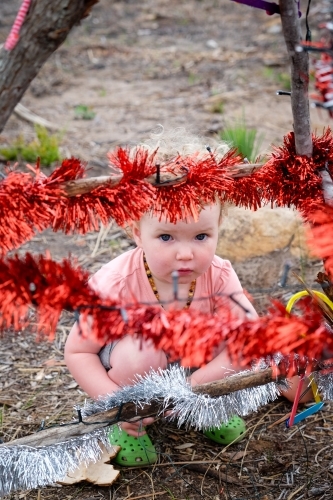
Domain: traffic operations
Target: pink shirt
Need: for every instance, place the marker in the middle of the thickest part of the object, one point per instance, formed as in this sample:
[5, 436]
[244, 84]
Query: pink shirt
[125, 279]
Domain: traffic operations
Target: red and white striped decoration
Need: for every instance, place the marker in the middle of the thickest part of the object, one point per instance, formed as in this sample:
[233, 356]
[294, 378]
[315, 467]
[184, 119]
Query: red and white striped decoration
[14, 34]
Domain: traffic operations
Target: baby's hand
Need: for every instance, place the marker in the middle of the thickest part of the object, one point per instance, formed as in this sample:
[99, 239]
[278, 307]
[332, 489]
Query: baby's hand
[137, 428]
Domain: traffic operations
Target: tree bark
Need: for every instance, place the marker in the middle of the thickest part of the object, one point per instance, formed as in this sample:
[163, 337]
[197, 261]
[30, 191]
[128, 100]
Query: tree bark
[45, 28]
[299, 62]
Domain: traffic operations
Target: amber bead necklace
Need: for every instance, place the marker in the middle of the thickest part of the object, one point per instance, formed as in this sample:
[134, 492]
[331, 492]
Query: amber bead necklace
[153, 286]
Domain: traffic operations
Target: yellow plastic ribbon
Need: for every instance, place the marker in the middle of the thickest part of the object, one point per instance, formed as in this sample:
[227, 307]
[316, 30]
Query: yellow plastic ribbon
[289, 307]
[304, 293]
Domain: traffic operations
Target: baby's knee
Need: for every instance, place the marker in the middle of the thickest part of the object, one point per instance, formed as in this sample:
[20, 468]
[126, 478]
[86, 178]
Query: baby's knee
[134, 356]
[306, 392]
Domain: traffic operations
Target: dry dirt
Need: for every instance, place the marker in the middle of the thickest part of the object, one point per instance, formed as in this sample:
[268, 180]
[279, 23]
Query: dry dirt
[197, 64]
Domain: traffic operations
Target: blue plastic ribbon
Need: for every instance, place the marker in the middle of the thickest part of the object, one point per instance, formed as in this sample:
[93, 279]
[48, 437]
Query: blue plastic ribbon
[306, 413]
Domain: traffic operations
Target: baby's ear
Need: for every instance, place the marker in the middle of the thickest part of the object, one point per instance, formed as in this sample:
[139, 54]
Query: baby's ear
[136, 233]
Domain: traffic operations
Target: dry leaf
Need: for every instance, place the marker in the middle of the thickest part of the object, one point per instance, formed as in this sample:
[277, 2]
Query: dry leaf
[184, 446]
[101, 472]
[72, 385]
[239, 454]
[174, 437]
[40, 375]
[6, 402]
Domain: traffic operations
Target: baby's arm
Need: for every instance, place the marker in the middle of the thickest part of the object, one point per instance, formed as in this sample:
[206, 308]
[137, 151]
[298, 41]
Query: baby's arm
[81, 357]
[221, 366]
[238, 301]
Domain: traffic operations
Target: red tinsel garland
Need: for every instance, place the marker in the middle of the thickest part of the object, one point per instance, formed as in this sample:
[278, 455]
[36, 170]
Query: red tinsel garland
[291, 180]
[29, 204]
[186, 334]
[127, 201]
[26, 206]
[323, 76]
[206, 179]
[320, 236]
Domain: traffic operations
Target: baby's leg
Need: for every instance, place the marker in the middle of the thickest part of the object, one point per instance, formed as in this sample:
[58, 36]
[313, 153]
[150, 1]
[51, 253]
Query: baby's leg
[291, 391]
[220, 367]
[133, 356]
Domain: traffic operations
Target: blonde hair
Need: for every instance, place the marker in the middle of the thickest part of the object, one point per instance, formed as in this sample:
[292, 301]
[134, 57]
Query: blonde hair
[179, 142]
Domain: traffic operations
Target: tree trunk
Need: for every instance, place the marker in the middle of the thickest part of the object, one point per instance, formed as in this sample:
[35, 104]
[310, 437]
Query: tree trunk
[45, 28]
[299, 77]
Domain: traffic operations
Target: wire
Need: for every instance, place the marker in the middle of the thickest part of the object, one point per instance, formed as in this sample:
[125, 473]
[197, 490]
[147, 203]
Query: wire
[308, 36]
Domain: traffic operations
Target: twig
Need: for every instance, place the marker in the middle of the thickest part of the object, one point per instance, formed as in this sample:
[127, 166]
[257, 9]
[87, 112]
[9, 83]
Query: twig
[101, 237]
[295, 492]
[167, 179]
[149, 495]
[28, 115]
[213, 473]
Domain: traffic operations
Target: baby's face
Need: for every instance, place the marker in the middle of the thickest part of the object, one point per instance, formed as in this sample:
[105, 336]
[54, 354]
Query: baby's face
[186, 247]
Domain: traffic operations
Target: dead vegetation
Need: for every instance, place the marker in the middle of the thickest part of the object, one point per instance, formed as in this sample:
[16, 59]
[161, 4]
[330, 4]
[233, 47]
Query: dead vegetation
[193, 64]
[271, 463]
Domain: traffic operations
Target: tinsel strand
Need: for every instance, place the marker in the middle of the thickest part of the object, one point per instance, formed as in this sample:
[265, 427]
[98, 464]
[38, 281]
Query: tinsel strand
[189, 334]
[26, 467]
[23, 467]
[190, 409]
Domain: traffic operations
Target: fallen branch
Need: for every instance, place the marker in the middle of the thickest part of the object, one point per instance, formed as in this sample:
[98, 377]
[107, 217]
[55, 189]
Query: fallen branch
[29, 116]
[53, 435]
[167, 179]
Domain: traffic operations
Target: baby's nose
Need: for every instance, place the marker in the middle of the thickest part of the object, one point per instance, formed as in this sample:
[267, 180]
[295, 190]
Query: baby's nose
[185, 253]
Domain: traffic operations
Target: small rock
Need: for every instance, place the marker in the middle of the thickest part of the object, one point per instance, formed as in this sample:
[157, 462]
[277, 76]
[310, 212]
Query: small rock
[212, 44]
[276, 28]
[245, 234]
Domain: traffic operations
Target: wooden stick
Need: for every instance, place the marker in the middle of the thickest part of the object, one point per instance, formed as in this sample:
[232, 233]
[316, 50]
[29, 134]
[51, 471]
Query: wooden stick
[235, 383]
[167, 179]
[63, 433]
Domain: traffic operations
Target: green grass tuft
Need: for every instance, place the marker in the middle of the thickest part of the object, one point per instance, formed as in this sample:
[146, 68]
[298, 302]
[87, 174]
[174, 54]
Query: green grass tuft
[83, 112]
[45, 147]
[245, 140]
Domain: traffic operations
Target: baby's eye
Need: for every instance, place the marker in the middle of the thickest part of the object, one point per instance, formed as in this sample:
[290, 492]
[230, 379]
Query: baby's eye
[201, 236]
[165, 237]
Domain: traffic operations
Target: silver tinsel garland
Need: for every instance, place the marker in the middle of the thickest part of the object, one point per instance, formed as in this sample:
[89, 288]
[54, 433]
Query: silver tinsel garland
[194, 410]
[24, 467]
[324, 382]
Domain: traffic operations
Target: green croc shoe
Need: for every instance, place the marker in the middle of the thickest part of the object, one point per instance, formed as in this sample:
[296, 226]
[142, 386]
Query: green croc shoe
[135, 451]
[232, 431]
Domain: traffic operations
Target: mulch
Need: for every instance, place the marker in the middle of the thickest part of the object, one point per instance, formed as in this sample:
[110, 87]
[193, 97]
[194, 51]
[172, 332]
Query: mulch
[271, 463]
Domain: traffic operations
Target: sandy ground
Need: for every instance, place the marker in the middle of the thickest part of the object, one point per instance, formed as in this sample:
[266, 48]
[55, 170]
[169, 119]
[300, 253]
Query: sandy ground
[194, 64]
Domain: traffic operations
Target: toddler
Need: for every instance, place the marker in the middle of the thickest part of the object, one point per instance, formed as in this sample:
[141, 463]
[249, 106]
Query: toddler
[145, 273]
